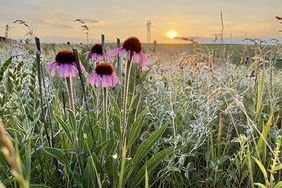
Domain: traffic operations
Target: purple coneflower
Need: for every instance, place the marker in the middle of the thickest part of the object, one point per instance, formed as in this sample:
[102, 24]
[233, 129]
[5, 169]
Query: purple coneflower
[96, 53]
[132, 50]
[104, 75]
[65, 62]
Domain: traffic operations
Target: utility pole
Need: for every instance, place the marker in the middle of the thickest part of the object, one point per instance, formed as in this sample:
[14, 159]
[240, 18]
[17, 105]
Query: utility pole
[148, 31]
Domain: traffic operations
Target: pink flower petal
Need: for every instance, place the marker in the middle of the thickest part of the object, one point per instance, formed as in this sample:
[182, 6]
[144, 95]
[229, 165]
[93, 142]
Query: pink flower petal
[67, 70]
[94, 79]
[86, 54]
[123, 54]
[115, 79]
[128, 57]
[97, 80]
[82, 68]
[61, 70]
[94, 57]
[116, 51]
[52, 68]
[135, 58]
[108, 57]
[144, 59]
[99, 58]
[106, 81]
[74, 70]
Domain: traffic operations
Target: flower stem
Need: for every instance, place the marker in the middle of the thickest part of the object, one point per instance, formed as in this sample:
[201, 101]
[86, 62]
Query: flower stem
[125, 97]
[120, 183]
[105, 107]
[69, 85]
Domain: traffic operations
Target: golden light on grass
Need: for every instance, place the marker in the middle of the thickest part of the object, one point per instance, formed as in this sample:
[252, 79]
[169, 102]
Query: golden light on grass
[171, 34]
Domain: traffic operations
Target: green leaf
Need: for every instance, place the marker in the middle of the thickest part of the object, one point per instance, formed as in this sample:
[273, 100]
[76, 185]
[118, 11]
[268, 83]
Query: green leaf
[244, 175]
[91, 177]
[264, 134]
[148, 144]
[276, 168]
[136, 128]
[262, 169]
[146, 178]
[143, 75]
[250, 166]
[6, 63]
[260, 94]
[56, 153]
[116, 121]
[115, 106]
[151, 164]
[67, 129]
[278, 185]
[72, 119]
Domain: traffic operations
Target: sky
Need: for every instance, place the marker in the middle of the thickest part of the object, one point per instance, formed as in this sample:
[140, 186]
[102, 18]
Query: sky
[53, 20]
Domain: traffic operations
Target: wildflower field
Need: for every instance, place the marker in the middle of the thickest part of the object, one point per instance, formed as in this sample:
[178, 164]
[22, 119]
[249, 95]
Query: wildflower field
[137, 115]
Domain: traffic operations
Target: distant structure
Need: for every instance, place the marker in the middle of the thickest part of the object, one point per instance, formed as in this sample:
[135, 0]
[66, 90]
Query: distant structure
[154, 46]
[148, 31]
[7, 28]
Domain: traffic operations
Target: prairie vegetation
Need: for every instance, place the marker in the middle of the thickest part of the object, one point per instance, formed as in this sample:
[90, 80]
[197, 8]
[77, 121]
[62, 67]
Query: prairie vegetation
[194, 116]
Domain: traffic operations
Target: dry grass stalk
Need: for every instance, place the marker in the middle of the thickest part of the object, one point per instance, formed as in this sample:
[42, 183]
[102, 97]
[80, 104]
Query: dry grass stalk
[217, 92]
[11, 156]
[1, 185]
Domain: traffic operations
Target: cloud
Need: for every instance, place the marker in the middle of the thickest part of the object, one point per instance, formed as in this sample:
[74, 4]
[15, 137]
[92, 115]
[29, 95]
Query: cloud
[92, 21]
[53, 23]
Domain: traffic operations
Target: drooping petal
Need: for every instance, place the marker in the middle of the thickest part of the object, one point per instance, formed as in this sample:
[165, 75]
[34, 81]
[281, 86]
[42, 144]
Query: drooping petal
[76, 68]
[108, 57]
[61, 70]
[94, 79]
[91, 79]
[94, 57]
[128, 57]
[86, 54]
[68, 70]
[136, 58]
[52, 68]
[99, 58]
[116, 51]
[82, 68]
[115, 79]
[144, 59]
[109, 80]
[97, 80]
[73, 70]
[123, 54]
[105, 82]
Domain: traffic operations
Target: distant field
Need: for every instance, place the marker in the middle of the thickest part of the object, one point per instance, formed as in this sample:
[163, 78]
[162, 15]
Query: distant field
[169, 53]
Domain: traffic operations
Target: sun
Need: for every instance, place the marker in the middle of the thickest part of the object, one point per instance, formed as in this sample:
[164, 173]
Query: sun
[171, 34]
